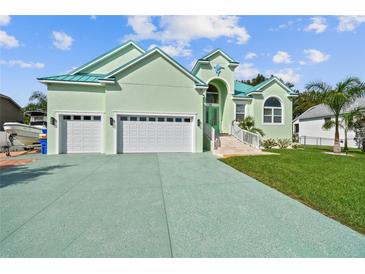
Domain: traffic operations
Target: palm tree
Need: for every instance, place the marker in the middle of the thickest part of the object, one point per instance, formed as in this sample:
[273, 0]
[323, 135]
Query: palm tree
[337, 98]
[348, 123]
[37, 101]
[249, 124]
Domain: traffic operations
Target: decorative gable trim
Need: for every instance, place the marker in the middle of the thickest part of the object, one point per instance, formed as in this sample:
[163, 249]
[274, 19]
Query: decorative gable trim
[220, 52]
[274, 79]
[106, 55]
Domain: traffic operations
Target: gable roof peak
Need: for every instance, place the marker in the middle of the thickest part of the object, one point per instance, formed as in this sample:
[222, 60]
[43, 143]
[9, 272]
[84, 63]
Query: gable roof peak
[164, 55]
[218, 50]
[107, 54]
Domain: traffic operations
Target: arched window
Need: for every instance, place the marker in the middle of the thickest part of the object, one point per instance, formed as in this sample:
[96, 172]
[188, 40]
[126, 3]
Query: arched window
[212, 95]
[273, 111]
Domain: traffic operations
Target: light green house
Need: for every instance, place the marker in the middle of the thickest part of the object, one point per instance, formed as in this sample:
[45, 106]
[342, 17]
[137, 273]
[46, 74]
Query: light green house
[130, 100]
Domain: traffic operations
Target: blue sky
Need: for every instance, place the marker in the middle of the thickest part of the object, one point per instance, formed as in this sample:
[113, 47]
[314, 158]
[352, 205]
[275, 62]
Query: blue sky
[296, 48]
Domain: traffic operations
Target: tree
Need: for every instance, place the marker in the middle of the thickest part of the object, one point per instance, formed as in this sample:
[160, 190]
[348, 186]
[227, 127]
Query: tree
[337, 98]
[255, 81]
[359, 129]
[348, 123]
[37, 101]
[305, 101]
[249, 124]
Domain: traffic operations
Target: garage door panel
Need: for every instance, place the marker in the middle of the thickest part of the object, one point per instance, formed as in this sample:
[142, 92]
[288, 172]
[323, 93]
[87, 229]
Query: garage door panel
[81, 136]
[155, 136]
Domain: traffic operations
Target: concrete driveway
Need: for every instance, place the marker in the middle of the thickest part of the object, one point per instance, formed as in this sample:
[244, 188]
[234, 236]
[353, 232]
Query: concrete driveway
[157, 205]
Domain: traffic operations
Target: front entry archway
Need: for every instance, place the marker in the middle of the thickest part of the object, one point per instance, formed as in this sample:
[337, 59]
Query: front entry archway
[212, 107]
[215, 104]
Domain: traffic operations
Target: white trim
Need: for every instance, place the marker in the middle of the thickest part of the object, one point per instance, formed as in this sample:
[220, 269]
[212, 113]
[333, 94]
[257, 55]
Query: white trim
[233, 65]
[106, 81]
[197, 65]
[60, 113]
[181, 114]
[107, 55]
[255, 93]
[241, 99]
[70, 83]
[279, 82]
[282, 112]
[221, 52]
[168, 58]
[235, 111]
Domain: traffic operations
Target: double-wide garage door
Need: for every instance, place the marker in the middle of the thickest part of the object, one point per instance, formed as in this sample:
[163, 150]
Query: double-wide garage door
[137, 134]
[81, 133]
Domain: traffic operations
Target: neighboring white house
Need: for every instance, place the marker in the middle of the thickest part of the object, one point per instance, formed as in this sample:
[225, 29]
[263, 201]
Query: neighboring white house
[308, 125]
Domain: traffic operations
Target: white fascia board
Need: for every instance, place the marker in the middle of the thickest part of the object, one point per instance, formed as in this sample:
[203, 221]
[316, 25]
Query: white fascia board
[279, 82]
[197, 65]
[221, 52]
[70, 83]
[107, 81]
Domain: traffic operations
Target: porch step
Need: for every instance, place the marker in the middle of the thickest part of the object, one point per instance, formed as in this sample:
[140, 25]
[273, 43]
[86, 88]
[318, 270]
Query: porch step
[230, 146]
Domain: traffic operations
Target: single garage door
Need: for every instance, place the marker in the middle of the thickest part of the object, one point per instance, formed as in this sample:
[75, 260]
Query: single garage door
[81, 133]
[155, 134]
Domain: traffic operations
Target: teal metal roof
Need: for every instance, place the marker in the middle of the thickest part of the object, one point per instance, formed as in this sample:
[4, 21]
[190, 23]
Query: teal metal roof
[81, 77]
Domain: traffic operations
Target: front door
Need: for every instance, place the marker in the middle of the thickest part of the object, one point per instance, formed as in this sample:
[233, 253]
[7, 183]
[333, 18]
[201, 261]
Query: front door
[212, 115]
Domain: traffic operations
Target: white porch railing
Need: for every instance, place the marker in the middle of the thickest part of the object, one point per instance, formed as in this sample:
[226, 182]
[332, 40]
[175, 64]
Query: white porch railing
[245, 136]
[213, 135]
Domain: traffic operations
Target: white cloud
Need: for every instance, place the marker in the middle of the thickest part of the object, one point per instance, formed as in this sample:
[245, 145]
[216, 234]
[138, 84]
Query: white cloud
[282, 57]
[246, 71]
[288, 24]
[316, 56]
[250, 55]
[4, 20]
[350, 23]
[301, 62]
[287, 75]
[178, 49]
[318, 25]
[22, 64]
[8, 41]
[62, 40]
[181, 30]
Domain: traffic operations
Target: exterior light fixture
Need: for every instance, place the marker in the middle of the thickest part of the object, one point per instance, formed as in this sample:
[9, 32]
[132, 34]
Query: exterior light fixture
[53, 121]
[111, 121]
[199, 122]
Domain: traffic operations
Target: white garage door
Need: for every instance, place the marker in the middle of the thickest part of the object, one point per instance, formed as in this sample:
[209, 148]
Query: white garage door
[155, 134]
[81, 133]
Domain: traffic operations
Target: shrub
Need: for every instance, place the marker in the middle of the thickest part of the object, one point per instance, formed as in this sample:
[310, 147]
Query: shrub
[283, 143]
[269, 143]
[295, 145]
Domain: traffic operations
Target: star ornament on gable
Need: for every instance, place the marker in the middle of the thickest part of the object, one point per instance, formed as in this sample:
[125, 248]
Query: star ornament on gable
[218, 69]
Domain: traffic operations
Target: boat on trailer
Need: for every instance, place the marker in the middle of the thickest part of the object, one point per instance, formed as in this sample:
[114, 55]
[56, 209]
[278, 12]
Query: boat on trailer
[27, 135]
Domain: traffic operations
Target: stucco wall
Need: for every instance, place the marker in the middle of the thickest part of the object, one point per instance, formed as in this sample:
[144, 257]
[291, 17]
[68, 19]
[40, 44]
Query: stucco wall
[71, 98]
[225, 84]
[153, 86]
[114, 61]
[275, 131]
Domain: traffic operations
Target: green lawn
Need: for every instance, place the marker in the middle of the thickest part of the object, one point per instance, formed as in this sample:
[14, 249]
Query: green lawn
[334, 185]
